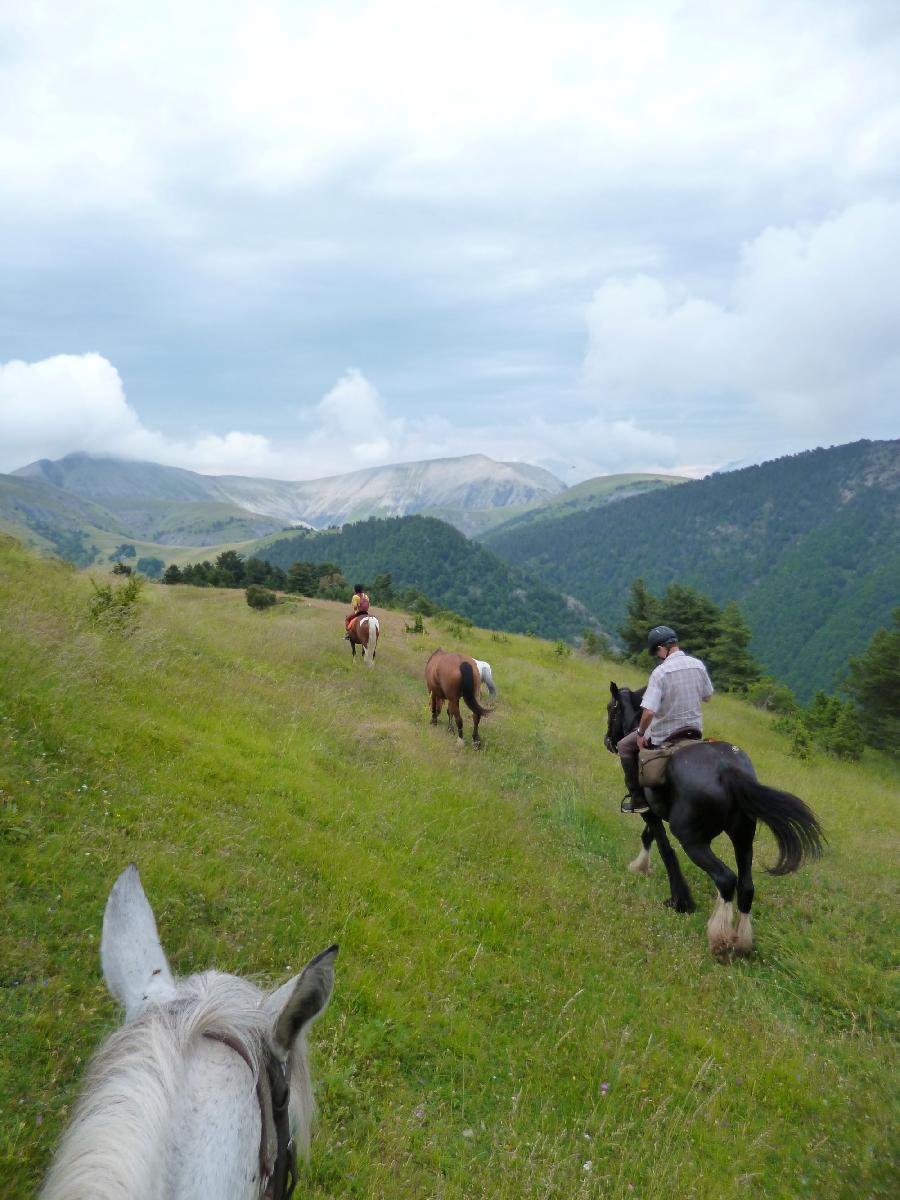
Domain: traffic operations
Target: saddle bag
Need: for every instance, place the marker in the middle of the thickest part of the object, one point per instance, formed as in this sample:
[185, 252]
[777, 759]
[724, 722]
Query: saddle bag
[653, 764]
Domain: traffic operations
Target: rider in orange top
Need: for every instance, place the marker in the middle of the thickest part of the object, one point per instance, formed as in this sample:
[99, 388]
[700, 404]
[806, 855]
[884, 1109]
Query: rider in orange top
[359, 604]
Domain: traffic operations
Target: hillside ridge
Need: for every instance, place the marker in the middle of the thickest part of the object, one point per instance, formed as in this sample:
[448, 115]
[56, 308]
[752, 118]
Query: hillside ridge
[808, 545]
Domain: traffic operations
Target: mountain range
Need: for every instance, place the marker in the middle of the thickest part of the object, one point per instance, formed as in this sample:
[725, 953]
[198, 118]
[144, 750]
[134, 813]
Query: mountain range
[83, 506]
[806, 545]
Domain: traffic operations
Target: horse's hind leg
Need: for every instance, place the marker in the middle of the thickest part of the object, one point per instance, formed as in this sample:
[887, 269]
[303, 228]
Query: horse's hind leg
[641, 864]
[437, 704]
[719, 927]
[742, 839]
[456, 715]
[476, 737]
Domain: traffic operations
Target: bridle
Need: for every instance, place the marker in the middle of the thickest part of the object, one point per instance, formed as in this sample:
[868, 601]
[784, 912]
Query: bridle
[623, 710]
[277, 1153]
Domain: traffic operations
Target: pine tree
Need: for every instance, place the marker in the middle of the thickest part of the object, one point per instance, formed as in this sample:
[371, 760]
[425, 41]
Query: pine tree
[874, 684]
[693, 616]
[229, 570]
[730, 663]
[640, 617]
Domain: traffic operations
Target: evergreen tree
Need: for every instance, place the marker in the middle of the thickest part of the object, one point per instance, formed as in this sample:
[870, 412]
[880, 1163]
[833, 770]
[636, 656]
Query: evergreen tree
[229, 570]
[302, 579]
[382, 589]
[173, 574]
[730, 663]
[874, 684]
[641, 614]
[256, 571]
[693, 616]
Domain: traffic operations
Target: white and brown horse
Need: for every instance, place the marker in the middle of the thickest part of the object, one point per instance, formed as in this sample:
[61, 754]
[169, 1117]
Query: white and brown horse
[205, 1090]
[452, 677]
[364, 631]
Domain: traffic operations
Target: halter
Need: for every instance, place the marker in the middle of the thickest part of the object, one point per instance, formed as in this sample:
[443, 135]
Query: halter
[277, 1153]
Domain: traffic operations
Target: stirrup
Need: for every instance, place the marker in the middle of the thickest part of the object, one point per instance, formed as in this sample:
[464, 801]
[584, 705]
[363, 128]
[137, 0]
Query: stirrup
[631, 804]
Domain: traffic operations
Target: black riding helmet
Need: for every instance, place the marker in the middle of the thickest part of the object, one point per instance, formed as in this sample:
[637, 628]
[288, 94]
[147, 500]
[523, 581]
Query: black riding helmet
[662, 635]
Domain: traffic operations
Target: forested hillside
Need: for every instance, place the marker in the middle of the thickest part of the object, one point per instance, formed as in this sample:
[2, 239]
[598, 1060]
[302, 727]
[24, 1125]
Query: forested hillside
[808, 546]
[423, 553]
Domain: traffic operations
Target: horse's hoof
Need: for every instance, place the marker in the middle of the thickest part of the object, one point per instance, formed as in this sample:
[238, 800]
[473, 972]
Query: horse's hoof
[641, 864]
[680, 905]
[743, 936]
[460, 744]
[720, 932]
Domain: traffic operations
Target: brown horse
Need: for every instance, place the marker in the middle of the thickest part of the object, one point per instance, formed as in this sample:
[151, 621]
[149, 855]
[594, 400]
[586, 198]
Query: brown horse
[449, 677]
[364, 631]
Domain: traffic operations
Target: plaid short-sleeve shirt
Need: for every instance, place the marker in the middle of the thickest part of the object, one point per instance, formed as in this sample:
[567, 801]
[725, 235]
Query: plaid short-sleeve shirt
[675, 694]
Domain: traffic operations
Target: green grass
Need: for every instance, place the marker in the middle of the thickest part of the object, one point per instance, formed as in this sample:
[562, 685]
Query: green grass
[510, 1003]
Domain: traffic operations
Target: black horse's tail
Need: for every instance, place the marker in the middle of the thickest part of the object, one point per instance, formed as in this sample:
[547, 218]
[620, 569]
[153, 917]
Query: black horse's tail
[468, 689]
[794, 824]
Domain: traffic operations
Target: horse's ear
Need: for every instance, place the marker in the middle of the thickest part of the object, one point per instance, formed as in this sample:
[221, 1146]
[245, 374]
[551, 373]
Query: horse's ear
[297, 1003]
[134, 965]
[614, 690]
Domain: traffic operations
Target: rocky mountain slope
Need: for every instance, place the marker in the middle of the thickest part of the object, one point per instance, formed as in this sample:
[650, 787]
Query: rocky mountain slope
[454, 487]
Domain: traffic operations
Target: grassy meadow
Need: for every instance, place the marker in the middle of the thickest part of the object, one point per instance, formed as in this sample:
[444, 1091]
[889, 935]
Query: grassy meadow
[515, 1015]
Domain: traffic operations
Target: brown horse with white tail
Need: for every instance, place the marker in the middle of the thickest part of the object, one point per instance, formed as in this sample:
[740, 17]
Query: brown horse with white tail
[452, 677]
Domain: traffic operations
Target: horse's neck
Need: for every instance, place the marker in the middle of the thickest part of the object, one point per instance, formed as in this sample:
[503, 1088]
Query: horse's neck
[167, 1112]
[173, 1128]
[632, 709]
[216, 1127]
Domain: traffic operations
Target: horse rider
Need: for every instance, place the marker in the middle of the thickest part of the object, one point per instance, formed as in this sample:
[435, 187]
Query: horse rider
[671, 708]
[360, 604]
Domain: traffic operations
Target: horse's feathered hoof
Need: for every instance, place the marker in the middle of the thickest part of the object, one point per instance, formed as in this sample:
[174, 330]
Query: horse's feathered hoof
[680, 904]
[743, 936]
[641, 864]
[720, 931]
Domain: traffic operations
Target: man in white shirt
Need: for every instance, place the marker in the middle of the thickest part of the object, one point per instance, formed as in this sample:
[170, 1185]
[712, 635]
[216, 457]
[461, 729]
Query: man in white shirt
[671, 708]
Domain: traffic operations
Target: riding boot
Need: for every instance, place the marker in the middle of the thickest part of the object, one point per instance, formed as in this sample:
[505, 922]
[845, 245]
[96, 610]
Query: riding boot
[635, 801]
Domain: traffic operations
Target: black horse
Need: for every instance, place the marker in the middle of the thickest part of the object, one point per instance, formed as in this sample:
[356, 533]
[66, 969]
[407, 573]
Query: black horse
[711, 788]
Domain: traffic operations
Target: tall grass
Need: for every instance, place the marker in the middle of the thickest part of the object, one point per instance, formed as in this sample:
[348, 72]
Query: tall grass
[515, 1016]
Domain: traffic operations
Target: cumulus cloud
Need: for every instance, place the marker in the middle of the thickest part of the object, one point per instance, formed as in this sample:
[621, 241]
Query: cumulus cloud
[805, 339]
[63, 404]
[75, 403]
[70, 403]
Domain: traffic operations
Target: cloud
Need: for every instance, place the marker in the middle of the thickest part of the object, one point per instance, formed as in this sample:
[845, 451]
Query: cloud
[62, 404]
[804, 341]
[282, 96]
[72, 403]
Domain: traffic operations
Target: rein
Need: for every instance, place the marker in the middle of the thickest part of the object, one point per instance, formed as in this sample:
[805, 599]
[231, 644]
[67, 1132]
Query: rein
[277, 1153]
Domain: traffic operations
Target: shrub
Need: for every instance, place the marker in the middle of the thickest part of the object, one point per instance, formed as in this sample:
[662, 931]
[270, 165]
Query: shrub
[801, 742]
[115, 607]
[418, 626]
[151, 567]
[121, 568]
[260, 597]
[771, 695]
[597, 644]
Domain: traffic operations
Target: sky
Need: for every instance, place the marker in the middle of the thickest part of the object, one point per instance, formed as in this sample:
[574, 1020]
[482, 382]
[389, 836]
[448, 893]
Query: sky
[294, 239]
